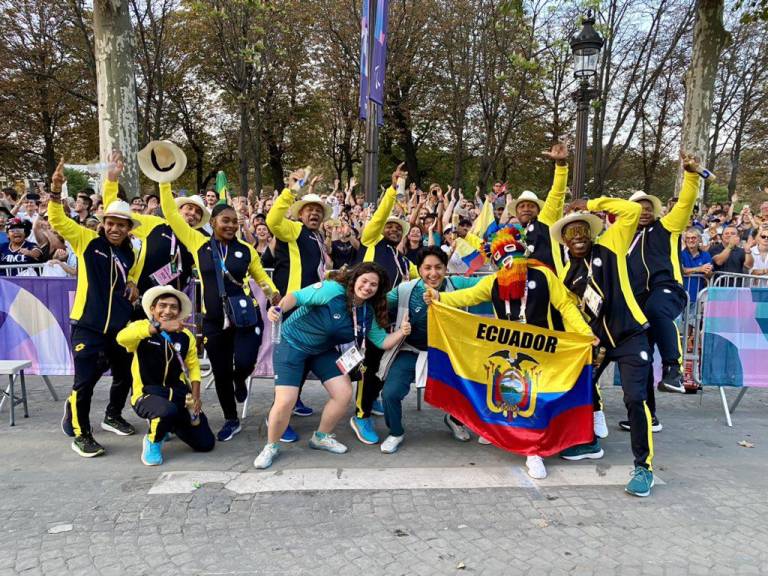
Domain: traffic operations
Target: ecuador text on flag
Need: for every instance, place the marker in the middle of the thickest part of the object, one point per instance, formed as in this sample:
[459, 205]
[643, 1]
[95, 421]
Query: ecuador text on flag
[524, 388]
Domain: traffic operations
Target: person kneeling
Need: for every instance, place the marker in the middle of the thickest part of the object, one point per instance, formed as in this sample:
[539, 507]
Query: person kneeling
[166, 374]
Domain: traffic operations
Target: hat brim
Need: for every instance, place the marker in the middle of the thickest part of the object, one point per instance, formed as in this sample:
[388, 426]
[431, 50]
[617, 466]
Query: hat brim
[406, 227]
[595, 225]
[296, 208]
[156, 173]
[514, 203]
[156, 292]
[655, 202]
[134, 221]
[181, 201]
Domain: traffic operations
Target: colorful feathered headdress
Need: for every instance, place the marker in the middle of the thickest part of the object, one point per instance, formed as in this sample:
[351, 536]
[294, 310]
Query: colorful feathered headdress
[507, 249]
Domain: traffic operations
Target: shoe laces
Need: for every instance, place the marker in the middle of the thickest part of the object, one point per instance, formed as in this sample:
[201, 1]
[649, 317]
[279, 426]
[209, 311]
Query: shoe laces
[638, 471]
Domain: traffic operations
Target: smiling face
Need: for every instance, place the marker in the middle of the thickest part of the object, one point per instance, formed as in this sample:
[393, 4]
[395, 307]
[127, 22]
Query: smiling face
[526, 211]
[225, 224]
[311, 215]
[116, 229]
[432, 271]
[165, 309]
[16, 236]
[762, 238]
[393, 232]
[192, 214]
[578, 238]
[366, 285]
[646, 216]
[691, 241]
[262, 232]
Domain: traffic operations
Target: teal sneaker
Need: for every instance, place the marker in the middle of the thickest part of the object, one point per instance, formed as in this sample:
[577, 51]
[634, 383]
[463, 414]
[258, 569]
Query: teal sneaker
[641, 482]
[583, 451]
[152, 453]
[363, 429]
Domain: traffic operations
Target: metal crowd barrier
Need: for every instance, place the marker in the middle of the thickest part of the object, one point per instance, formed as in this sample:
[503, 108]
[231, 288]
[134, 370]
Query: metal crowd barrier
[733, 280]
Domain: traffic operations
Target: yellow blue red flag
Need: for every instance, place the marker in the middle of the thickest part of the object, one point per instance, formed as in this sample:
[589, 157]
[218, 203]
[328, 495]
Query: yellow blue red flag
[526, 389]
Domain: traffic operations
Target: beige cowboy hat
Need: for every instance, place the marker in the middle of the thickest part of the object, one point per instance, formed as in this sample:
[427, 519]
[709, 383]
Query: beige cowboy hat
[640, 195]
[595, 225]
[527, 196]
[403, 224]
[120, 209]
[162, 161]
[311, 199]
[198, 202]
[151, 296]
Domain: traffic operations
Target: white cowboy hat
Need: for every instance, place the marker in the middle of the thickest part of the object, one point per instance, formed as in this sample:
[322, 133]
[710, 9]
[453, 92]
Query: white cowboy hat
[119, 209]
[311, 199]
[151, 295]
[640, 195]
[403, 224]
[595, 224]
[198, 202]
[162, 161]
[527, 196]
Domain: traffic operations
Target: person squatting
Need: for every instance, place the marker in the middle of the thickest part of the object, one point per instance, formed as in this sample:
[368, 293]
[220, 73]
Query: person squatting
[367, 322]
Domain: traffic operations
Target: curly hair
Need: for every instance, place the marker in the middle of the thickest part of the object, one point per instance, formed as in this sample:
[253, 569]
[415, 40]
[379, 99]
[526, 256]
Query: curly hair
[347, 278]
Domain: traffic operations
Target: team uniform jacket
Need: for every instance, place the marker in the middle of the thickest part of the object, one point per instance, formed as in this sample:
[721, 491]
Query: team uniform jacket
[654, 255]
[537, 231]
[240, 259]
[548, 301]
[298, 250]
[620, 316]
[102, 273]
[155, 367]
[159, 247]
[398, 267]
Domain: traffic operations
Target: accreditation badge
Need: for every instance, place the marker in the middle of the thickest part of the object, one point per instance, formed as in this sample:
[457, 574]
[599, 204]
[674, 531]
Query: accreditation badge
[349, 360]
[593, 301]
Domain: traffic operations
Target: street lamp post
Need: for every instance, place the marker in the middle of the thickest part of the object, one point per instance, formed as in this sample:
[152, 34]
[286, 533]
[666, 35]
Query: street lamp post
[586, 47]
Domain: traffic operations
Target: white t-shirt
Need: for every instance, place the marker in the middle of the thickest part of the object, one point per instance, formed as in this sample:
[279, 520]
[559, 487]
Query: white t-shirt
[761, 262]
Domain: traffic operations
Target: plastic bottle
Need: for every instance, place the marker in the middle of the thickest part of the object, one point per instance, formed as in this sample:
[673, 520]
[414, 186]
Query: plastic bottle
[189, 402]
[401, 189]
[277, 327]
[97, 168]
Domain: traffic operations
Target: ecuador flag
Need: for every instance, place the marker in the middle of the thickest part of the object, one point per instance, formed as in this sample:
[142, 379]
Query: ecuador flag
[526, 389]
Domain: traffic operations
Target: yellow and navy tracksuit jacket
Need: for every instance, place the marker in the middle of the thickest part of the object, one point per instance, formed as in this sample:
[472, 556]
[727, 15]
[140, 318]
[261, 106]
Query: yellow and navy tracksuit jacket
[298, 250]
[157, 241]
[102, 273]
[240, 259]
[549, 304]
[605, 270]
[654, 255]
[379, 250]
[537, 232]
[155, 367]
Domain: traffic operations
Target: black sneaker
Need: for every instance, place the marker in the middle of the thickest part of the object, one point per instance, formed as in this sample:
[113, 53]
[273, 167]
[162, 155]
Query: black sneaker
[118, 425]
[671, 380]
[241, 391]
[86, 446]
[655, 425]
[66, 420]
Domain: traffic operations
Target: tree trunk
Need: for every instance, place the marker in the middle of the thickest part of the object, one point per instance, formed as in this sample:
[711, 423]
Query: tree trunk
[242, 145]
[276, 165]
[116, 87]
[709, 39]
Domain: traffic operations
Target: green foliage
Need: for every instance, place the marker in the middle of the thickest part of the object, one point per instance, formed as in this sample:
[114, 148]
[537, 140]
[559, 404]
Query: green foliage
[76, 181]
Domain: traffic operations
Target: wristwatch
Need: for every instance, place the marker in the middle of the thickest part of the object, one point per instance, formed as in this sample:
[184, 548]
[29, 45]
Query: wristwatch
[156, 325]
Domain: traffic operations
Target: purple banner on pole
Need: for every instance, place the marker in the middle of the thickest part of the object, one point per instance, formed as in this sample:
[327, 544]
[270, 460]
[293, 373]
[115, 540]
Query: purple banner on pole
[364, 76]
[379, 52]
[34, 323]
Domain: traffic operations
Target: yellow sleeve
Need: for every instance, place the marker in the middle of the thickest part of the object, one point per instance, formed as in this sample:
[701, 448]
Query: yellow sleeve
[187, 235]
[413, 271]
[192, 362]
[108, 192]
[477, 294]
[373, 231]
[78, 236]
[257, 272]
[553, 205]
[277, 221]
[561, 299]
[619, 236]
[678, 217]
[130, 336]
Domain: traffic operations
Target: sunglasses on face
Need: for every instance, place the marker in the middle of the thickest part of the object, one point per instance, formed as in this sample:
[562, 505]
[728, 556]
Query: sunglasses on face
[574, 231]
[764, 237]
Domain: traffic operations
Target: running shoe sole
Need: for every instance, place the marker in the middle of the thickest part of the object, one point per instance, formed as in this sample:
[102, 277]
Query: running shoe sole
[85, 454]
[106, 427]
[655, 428]
[641, 494]
[587, 456]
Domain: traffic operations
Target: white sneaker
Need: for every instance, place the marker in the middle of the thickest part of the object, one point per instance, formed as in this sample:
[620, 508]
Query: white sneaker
[459, 432]
[327, 442]
[265, 457]
[536, 468]
[599, 424]
[391, 444]
[482, 440]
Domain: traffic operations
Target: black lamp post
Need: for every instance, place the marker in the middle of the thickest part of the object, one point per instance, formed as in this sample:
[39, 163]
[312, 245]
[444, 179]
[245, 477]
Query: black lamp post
[586, 47]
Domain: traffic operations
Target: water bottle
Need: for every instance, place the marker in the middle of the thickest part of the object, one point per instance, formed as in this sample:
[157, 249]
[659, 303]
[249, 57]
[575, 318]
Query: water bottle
[97, 168]
[277, 326]
[401, 189]
[189, 402]
[704, 173]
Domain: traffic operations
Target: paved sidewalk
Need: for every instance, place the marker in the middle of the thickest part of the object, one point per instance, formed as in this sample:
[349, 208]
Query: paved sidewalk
[62, 514]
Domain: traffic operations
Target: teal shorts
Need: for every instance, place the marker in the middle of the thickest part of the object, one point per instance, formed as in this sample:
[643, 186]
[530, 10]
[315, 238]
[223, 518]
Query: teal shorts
[291, 365]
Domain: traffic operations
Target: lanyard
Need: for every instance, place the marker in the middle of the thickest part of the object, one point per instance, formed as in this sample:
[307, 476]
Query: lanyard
[224, 271]
[170, 343]
[323, 253]
[118, 265]
[404, 273]
[637, 237]
[354, 325]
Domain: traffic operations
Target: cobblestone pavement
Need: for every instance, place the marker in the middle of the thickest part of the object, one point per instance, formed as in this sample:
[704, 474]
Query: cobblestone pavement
[64, 515]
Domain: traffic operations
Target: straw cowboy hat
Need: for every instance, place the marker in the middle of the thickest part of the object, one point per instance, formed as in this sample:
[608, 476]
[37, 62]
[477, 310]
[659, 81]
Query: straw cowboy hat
[119, 209]
[595, 225]
[311, 199]
[527, 196]
[640, 195]
[198, 202]
[403, 224]
[151, 295]
[162, 161]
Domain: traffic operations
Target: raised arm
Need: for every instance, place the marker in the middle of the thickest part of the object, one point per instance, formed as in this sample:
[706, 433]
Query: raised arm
[619, 236]
[77, 236]
[277, 221]
[678, 217]
[553, 205]
[477, 294]
[187, 235]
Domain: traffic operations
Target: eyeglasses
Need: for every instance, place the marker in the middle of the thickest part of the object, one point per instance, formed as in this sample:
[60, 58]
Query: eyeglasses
[763, 236]
[575, 230]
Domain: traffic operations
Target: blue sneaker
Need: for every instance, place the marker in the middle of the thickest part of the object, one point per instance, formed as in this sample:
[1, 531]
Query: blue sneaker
[583, 451]
[301, 410]
[152, 454]
[378, 408]
[228, 431]
[363, 428]
[289, 436]
[641, 482]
